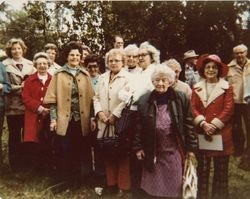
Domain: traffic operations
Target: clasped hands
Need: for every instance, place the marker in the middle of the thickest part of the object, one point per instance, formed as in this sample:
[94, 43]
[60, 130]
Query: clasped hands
[107, 119]
[209, 128]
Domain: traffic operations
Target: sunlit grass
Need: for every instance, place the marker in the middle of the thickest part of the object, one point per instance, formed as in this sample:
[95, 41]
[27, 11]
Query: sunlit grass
[34, 185]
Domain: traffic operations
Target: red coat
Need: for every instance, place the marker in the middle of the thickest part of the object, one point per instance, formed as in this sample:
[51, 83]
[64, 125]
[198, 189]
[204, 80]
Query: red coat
[33, 94]
[217, 109]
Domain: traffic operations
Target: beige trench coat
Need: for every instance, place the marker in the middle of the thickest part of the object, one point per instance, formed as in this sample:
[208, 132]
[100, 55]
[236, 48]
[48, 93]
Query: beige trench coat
[107, 98]
[237, 77]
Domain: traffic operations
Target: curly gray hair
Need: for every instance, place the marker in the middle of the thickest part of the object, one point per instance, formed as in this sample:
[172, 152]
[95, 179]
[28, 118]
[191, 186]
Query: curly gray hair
[163, 70]
[155, 54]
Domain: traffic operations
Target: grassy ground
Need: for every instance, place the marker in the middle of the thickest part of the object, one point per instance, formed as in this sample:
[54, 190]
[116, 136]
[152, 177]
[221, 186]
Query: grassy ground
[32, 185]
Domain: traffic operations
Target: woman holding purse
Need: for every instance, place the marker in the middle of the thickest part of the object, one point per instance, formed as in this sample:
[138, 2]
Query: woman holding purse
[212, 107]
[108, 107]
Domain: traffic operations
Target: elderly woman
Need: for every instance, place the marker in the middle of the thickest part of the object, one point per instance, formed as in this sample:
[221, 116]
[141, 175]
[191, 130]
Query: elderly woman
[18, 69]
[149, 56]
[164, 135]
[36, 114]
[52, 51]
[178, 85]
[212, 107]
[4, 89]
[108, 107]
[70, 98]
[131, 52]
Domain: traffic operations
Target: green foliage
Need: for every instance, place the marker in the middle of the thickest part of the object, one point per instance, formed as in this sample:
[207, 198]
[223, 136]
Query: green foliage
[172, 26]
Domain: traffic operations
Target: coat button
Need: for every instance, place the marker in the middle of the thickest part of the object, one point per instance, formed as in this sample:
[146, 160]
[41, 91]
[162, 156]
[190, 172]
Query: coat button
[67, 115]
[81, 112]
[78, 80]
[41, 98]
[80, 95]
[109, 98]
[110, 87]
[68, 100]
[42, 88]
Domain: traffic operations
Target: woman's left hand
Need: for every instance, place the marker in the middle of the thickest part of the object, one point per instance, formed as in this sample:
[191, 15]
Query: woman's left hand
[112, 119]
[93, 125]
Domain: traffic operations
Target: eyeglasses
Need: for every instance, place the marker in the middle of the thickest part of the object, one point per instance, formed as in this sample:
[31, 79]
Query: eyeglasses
[163, 80]
[143, 54]
[211, 67]
[115, 60]
[132, 56]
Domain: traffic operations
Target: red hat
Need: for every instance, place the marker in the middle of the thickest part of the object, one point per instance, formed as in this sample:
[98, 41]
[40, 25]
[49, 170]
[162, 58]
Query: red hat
[214, 58]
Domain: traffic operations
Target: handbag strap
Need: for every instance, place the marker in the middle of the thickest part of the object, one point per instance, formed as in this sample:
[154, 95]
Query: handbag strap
[106, 131]
[128, 105]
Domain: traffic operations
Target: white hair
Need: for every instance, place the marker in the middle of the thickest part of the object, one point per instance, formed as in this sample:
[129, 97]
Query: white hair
[173, 64]
[115, 51]
[152, 50]
[41, 55]
[131, 47]
[163, 70]
[242, 47]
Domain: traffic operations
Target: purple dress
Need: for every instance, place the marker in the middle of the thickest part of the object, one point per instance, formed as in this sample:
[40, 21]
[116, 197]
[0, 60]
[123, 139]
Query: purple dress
[166, 178]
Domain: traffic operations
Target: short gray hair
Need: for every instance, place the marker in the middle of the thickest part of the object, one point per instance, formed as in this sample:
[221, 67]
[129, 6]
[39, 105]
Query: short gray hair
[41, 55]
[115, 51]
[164, 70]
[242, 47]
[155, 54]
[173, 64]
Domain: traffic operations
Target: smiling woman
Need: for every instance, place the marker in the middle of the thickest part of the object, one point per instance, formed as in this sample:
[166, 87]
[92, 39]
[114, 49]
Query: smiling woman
[18, 69]
[69, 96]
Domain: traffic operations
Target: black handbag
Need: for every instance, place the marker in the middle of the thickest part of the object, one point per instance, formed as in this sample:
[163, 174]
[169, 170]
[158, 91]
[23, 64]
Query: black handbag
[124, 122]
[108, 143]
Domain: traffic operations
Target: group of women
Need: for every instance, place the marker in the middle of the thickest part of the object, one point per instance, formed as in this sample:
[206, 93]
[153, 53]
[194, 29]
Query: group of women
[66, 106]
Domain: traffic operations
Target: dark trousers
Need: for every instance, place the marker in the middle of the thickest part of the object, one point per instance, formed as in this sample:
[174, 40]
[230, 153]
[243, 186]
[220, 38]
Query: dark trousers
[241, 111]
[70, 151]
[220, 178]
[16, 152]
[1, 133]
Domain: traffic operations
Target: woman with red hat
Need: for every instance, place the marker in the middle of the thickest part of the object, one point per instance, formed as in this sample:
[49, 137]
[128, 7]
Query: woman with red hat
[212, 107]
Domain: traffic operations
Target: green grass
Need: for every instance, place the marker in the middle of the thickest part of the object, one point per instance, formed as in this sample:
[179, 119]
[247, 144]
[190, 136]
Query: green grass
[33, 185]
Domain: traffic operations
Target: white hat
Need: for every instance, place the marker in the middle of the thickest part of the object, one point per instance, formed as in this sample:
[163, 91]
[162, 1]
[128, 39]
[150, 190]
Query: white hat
[190, 54]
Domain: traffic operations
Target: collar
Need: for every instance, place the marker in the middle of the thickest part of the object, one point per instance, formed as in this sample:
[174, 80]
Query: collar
[201, 90]
[67, 69]
[234, 63]
[170, 94]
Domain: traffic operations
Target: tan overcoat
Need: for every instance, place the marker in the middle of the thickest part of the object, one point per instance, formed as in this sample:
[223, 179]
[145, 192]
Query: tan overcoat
[237, 77]
[59, 93]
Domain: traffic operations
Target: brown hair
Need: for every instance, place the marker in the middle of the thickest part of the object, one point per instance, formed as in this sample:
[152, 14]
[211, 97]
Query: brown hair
[52, 47]
[10, 44]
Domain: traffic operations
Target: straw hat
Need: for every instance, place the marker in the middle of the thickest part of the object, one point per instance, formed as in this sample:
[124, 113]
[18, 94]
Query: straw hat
[190, 54]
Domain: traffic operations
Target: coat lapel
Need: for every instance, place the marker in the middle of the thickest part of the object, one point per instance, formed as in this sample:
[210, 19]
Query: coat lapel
[200, 89]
